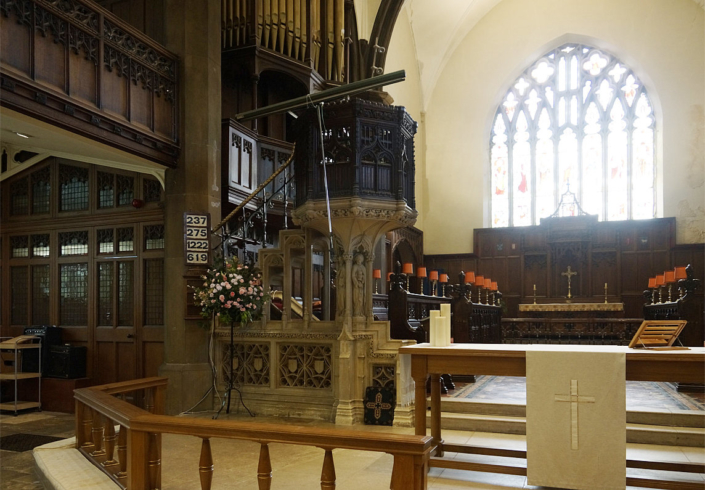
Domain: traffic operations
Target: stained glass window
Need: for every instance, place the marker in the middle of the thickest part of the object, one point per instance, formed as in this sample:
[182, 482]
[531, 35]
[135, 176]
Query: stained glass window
[576, 118]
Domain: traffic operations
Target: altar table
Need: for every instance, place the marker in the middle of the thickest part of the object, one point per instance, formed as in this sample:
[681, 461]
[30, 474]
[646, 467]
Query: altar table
[685, 366]
[571, 307]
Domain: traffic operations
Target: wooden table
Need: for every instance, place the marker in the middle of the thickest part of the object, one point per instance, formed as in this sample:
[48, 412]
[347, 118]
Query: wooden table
[685, 366]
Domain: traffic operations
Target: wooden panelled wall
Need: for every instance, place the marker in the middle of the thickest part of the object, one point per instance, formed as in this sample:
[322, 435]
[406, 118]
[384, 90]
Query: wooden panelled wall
[77, 66]
[79, 252]
[622, 254]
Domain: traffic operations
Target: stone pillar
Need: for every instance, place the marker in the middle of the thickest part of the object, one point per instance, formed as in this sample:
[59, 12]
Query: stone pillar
[192, 31]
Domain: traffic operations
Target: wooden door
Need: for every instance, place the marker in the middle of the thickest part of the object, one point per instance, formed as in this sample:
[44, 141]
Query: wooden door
[115, 356]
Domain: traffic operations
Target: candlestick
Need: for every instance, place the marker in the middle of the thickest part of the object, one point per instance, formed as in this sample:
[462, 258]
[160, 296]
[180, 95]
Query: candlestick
[433, 277]
[660, 281]
[605, 293]
[421, 274]
[534, 293]
[479, 282]
[377, 275]
[679, 273]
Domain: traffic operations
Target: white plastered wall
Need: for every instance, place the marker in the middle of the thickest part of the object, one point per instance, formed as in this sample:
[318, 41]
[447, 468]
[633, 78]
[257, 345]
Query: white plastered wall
[402, 56]
[662, 40]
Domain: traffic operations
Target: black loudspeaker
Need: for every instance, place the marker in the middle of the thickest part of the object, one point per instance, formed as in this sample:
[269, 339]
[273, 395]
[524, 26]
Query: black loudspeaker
[66, 361]
[50, 335]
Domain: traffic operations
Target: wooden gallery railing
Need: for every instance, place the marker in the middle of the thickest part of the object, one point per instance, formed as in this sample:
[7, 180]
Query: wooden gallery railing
[75, 65]
[132, 456]
[304, 30]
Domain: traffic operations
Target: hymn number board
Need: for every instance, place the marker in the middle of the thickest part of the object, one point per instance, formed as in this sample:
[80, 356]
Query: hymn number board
[196, 238]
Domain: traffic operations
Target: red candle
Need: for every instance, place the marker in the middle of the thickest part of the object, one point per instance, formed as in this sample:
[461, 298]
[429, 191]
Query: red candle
[408, 268]
[377, 274]
[421, 272]
[389, 276]
[433, 276]
[479, 281]
[652, 282]
[469, 277]
[444, 278]
[488, 283]
[670, 277]
[493, 287]
[660, 280]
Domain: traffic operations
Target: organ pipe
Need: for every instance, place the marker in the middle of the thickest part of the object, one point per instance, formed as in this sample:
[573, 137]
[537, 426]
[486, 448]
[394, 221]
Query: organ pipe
[310, 31]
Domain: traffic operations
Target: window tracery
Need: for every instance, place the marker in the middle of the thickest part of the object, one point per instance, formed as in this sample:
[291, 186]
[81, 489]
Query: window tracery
[576, 117]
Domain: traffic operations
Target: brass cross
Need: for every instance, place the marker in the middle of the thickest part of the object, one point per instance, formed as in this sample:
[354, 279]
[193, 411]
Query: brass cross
[574, 399]
[569, 273]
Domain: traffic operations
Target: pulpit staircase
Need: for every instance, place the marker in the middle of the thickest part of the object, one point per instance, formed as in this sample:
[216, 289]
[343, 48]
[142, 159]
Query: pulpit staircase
[659, 427]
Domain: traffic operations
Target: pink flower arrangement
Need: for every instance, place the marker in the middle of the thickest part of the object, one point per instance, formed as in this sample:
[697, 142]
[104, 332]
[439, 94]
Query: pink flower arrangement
[232, 292]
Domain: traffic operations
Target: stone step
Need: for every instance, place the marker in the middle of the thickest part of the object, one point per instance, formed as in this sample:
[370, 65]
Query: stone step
[669, 418]
[636, 433]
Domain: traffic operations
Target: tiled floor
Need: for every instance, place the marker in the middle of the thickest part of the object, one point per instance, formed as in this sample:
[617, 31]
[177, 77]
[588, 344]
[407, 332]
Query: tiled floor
[298, 467]
[17, 469]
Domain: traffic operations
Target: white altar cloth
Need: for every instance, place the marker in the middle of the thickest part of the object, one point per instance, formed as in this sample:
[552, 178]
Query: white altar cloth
[576, 418]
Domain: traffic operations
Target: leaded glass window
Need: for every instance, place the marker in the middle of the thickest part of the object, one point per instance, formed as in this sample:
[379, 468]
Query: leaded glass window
[73, 298]
[577, 118]
[73, 183]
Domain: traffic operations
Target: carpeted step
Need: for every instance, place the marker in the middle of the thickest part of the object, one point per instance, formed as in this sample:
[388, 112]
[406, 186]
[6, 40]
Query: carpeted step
[636, 433]
[485, 423]
[666, 436]
[668, 418]
[455, 405]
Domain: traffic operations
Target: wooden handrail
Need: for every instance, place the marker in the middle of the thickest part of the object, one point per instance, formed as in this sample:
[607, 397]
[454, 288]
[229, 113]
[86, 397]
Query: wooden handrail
[120, 411]
[274, 433]
[132, 385]
[139, 443]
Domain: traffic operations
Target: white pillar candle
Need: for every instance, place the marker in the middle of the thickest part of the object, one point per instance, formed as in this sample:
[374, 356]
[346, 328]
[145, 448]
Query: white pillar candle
[433, 336]
[445, 314]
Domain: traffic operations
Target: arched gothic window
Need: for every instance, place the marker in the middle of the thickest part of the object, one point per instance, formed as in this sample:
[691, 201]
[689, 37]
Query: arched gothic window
[577, 117]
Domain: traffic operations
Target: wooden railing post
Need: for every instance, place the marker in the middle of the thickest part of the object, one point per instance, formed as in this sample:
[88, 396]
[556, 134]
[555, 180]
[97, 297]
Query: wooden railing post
[159, 398]
[149, 400]
[155, 461]
[110, 439]
[264, 468]
[205, 464]
[137, 460]
[97, 435]
[78, 424]
[328, 472]
[409, 472]
[122, 455]
[87, 423]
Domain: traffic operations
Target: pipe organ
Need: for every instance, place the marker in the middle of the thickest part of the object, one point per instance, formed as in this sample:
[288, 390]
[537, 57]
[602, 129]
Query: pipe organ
[306, 31]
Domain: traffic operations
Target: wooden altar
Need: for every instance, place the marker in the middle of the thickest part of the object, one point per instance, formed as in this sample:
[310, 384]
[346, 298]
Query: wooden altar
[572, 310]
[510, 360]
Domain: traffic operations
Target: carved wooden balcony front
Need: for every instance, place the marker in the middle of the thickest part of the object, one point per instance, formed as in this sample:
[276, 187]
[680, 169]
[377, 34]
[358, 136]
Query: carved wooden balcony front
[75, 65]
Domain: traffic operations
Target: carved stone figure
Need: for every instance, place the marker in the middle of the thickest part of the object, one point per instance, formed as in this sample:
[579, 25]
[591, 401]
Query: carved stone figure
[358, 282]
[340, 289]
